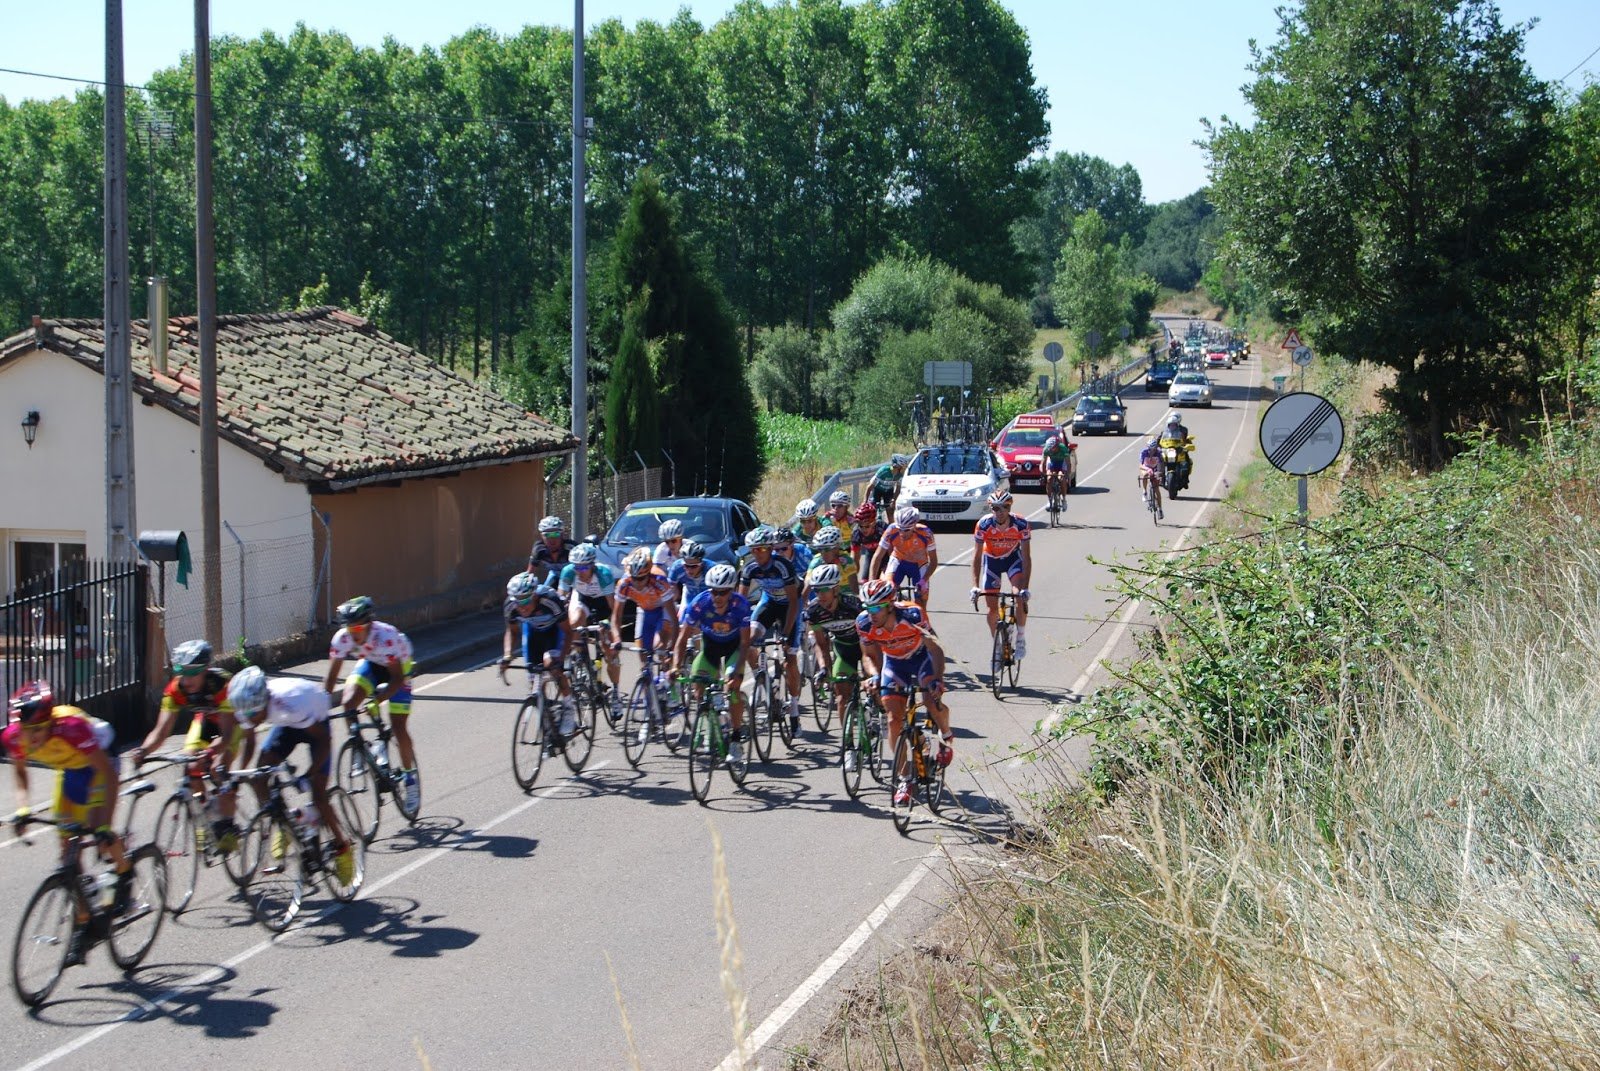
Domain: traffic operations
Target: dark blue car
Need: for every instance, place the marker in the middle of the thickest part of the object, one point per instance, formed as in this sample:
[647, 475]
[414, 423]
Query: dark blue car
[718, 524]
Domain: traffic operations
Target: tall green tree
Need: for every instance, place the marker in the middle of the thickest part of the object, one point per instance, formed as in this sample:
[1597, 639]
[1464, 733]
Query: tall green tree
[1397, 188]
[1069, 184]
[633, 402]
[1180, 241]
[1089, 292]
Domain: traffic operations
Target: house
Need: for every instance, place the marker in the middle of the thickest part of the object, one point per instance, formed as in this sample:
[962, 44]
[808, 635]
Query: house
[349, 464]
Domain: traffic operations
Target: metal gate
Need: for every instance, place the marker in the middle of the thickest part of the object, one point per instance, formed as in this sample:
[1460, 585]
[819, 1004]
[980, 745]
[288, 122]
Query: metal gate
[82, 628]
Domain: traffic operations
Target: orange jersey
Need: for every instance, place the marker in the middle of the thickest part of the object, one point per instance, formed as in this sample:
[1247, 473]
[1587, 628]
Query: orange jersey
[908, 544]
[649, 592]
[996, 540]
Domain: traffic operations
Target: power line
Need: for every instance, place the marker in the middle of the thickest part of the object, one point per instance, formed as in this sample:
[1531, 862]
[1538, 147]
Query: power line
[1581, 62]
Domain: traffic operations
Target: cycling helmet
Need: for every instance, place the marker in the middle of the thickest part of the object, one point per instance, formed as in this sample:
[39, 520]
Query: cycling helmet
[839, 498]
[670, 530]
[247, 693]
[762, 535]
[693, 552]
[1052, 442]
[638, 562]
[583, 554]
[551, 526]
[1001, 497]
[827, 537]
[32, 703]
[899, 461]
[876, 594]
[721, 577]
[785, 536]
[906, 516]
[866, 512]
[355, 612]
[806, 508]
[522, 586]
[824, 576]
[192, 658]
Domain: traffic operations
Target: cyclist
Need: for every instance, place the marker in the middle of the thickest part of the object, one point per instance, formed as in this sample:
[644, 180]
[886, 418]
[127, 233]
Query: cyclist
[1003, 549]
[591, 594]
[721, 616]
[535, 611]
[671, 546]
[1151, 470]
[688, 573]
[297, 710]
[808, 523]
[829, 548]
[900, 653]
[907, 552]
[214, 735]
[838, 515]
[78, 745]
[832, 619]
[1057, 454]
[550, 551]
[796, 551]
[864, 537]
[778, 608]
[385, 654]
[652, 593]
[885, 487]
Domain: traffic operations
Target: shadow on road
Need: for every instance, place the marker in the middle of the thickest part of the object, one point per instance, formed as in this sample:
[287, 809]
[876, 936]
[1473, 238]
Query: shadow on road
[204, 1004]
[393, 921]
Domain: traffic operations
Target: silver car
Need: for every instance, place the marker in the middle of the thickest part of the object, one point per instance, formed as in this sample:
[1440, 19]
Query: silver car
[1190, 388]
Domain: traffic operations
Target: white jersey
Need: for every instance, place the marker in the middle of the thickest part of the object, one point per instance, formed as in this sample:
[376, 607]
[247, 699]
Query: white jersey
[295, 703]
[383, 643]
[664, 556]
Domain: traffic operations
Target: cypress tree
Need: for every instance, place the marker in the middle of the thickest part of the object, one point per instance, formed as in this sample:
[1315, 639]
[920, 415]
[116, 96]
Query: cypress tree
[633, 410]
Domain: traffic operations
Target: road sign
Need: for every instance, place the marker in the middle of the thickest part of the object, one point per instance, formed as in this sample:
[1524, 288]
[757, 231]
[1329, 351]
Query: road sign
[1053, 352]
[1302, 355]
[1301, 434]
[1093, 339]
[947, 373]
[1291, 341]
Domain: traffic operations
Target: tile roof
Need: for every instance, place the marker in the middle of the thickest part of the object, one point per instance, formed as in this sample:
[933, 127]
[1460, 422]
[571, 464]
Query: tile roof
[321, 395]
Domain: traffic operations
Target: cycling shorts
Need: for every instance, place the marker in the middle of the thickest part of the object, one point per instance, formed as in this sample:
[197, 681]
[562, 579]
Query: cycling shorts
[901, 571]
[596, 607]
[770, 619]
[369, 675]
[846, 660]
[78, 792]
[900, 675]
[283, 739]
[717, 660]
[648, 626]
[537, 644]
[1055, 464]
[1006, 565]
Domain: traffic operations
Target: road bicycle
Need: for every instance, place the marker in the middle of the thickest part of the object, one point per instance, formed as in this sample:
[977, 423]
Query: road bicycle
[710, 737]
[586, 670]
[916, 759]
[367, 767]
[861, 736]
[817, 680]
[768, 695]
[1152, 499]
[1057, 498]
[286, 851]
[183, 830]
[537, 729]
[1003, 661]
[72, 899]
[653, 707]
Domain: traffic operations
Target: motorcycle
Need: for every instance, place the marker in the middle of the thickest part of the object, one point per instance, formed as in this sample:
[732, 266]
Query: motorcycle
[1176, 454]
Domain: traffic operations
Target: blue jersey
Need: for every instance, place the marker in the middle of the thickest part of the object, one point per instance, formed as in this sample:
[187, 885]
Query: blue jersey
[692, 585]
[772, 578]
[803, 556]
[701, 613]
[597, 584]
[545, 612]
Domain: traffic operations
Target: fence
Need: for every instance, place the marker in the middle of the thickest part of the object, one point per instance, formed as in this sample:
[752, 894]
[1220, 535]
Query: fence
[83, 629]
[271, 589]
[608, 495]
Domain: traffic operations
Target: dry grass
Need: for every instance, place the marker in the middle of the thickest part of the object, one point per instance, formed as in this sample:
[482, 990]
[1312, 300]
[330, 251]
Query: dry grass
[784, 485]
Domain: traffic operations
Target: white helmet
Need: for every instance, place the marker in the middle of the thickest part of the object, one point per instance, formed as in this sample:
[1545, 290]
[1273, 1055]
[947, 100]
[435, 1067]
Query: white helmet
[806, 508]
[824, 576]
[826, 537]
[522, 586]
[906, 516]
[247, 693]
[551, 526]
[672, 529]
[638, 561]
[721, 577]
[583, 554]
[839, 498]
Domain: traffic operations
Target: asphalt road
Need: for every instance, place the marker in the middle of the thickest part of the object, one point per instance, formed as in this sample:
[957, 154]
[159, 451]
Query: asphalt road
[576, 927]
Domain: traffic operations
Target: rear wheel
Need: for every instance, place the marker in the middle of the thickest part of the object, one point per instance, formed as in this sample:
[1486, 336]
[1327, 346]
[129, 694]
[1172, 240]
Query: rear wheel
[344, 807]
[822, 700]
[397, 786]
[279, 883]
[133, 932]
[527, 742]
[675, 716]
[997, 657]
[853, 753]
[636, 722]
[353, 772]
[176, 838]
[577, 748]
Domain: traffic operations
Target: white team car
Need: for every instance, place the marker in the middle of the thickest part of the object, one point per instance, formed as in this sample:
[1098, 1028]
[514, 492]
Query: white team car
[952, 481]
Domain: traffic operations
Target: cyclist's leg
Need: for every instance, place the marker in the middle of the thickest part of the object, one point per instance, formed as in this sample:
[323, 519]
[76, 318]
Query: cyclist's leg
[990, 584]
[319, 740]
[1019, 575]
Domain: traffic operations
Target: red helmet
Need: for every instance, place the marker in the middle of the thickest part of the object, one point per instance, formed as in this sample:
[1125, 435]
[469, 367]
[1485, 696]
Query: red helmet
[876, 593]
[866, 512]
[32, 702]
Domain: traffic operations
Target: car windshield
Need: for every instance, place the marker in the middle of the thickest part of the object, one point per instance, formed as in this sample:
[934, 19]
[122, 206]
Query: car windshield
[1192, 377]
[642, 524]
[1098, 405]
[1018, 437]
[951, 460]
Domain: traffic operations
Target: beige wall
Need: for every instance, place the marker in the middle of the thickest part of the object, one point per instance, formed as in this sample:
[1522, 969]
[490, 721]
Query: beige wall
[435, 536]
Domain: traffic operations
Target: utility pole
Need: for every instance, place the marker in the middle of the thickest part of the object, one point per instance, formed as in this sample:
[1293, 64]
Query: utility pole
[580, 296]
[205, 270]
[118, 358]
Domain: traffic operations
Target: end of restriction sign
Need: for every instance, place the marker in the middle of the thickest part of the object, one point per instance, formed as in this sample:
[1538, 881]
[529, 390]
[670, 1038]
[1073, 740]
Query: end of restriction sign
[1301, 434]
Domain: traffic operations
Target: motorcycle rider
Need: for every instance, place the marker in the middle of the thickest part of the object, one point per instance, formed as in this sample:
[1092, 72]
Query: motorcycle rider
[1177, 439]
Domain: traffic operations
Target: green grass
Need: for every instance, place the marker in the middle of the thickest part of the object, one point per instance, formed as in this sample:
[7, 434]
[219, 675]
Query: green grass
[802, 452]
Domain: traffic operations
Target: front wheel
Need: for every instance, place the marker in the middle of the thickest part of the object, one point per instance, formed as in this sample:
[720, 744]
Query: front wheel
[903, 769]
[853, 751]
[176, 838]
[39, 955]
[353, 772]
[637, 719]
[704, 748]
[397, 788]
[278, 886]
[822, 700]
[527, 742]
[134, 931]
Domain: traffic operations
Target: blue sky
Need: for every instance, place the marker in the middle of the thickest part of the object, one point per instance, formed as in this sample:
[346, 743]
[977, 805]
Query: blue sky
[1126, 81]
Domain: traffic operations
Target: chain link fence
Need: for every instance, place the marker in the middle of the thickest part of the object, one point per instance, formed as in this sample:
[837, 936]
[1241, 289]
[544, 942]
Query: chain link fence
[271, 589]
[608, 496]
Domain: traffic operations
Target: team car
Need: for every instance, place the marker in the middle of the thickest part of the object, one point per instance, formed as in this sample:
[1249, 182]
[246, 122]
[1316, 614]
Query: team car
[952, 481]
[1020, 447]
[1103, 413]
[718, 524]
[1190, 388]
[1218, 358]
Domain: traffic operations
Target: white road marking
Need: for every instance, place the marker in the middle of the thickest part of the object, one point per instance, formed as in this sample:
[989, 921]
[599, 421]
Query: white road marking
[218, 973]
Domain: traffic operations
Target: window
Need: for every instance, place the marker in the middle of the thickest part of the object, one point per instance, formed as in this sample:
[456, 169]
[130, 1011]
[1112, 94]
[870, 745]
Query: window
[38, 558]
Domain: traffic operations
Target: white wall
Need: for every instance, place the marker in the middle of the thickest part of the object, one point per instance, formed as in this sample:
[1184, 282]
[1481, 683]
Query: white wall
[60, 485]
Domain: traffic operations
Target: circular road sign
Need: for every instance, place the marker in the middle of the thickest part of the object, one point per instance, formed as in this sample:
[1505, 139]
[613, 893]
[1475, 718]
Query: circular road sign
[1302, 355]
[1093, 339]
[1053, 352]
[1301, 434]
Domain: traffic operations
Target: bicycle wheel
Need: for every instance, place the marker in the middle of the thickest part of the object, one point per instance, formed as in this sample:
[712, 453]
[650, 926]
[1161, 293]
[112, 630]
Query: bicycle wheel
[822, 700]
[636, 720]
[780, 715]
[878, 737]
[997, 657]
[176, 838]
[397, 788]
[527, 742]
[40, 953]
[904, 767]
[760, 720]
[606, 697]
[853, 748]
[133, 932]
[577, 748]
[675, 718]
[1013, 663]
[353, 771]
[344, 807]
[279, 883]
[738, 760]
[704, 748]
[237, 863]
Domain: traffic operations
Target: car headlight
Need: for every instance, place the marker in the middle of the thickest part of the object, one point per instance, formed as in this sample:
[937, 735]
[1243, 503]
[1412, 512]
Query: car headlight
[1116, 417]
[977, 492]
